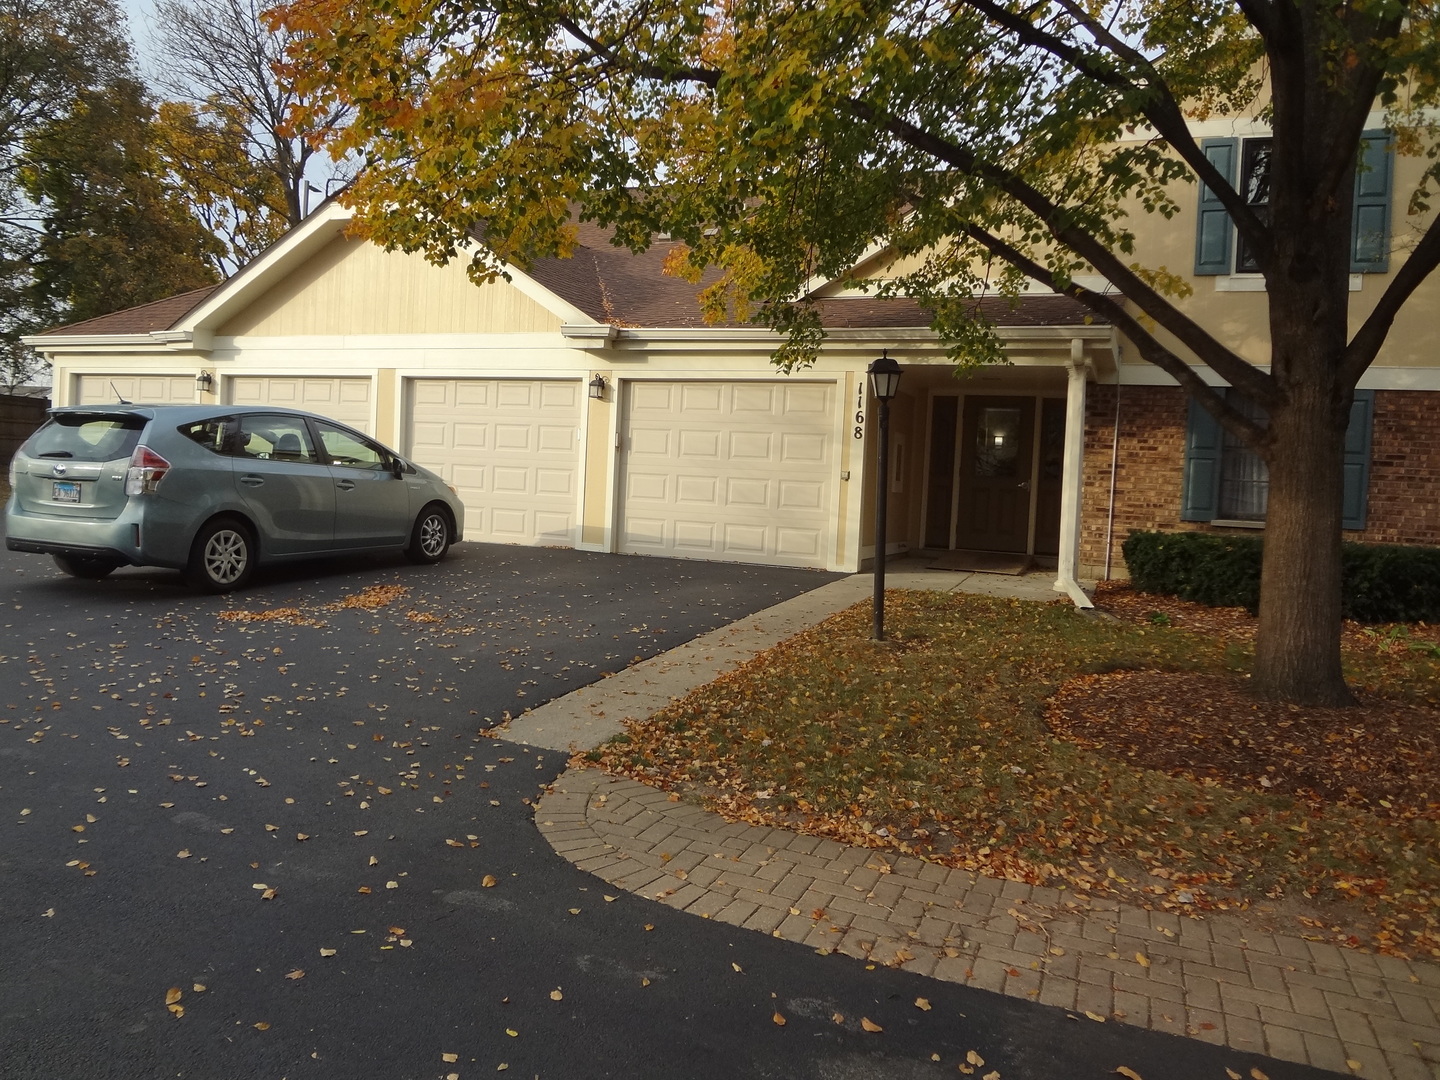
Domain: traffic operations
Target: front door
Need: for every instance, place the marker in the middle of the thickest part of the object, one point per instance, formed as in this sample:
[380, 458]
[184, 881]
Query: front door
[997, 445]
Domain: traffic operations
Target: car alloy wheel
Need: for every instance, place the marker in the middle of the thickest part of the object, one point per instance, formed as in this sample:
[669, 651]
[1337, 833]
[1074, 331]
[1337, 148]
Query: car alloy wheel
[430, 539]
[223, 556]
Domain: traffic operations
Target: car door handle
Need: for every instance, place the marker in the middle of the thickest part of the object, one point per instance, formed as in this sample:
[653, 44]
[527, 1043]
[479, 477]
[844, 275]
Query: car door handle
[251, 480]
[345, 485]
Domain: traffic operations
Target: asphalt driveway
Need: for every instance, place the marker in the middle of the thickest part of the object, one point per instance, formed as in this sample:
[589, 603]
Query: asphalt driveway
[263, 836]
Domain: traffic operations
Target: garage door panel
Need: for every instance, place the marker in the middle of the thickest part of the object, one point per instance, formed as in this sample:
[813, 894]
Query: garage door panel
[807, 399]
[642, 533]
[515, 395]
[650, 441]
[704, 490]
[800, 495]
[750, 445]
[700, 397]
[759, 399]
[750, 478]
[553, 528]
[511, 448]
[744, 539]
[554, 482]
[700, 444]
[652, 487]
[512, 480]
[748, 493]
[803, 449]
[798, 543]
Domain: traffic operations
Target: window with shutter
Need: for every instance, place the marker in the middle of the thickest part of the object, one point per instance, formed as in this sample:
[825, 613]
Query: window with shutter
[1224, 480]
[1218, 250]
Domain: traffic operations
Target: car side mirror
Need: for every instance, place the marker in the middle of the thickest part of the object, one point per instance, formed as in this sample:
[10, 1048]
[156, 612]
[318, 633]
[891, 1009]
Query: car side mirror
[397, 468]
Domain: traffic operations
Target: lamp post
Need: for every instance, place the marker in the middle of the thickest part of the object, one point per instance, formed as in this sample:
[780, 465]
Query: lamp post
[884, 383]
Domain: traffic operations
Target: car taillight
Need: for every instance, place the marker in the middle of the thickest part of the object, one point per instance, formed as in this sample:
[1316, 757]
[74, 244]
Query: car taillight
[147, 469]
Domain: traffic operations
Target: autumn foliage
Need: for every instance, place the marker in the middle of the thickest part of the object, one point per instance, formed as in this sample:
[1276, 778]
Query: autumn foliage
[1116, 758]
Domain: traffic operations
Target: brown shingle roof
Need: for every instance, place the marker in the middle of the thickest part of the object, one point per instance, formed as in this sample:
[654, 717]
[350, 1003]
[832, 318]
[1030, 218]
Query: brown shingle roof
[613, 285]
[156, 315]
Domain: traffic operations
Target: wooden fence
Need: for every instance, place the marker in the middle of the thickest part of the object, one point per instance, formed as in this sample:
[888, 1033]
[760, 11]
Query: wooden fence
[19, 416]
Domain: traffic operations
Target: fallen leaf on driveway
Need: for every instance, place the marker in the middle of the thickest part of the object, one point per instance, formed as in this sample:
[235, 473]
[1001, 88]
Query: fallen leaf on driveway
[870, 1025]
[778, 1019]
[296, 974]
[737, 967]
[922, 1004]
[1128, 1073]
[450, 1058]
[183, 854]
[556, 995]
[488, 881]
[1095, 1016]
[1142, 960]
[263, 1025]
[172, 995]
[972, 1058]
[327, 952]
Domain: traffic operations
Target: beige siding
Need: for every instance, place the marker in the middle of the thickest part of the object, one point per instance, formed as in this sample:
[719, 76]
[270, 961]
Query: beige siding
[355, 287]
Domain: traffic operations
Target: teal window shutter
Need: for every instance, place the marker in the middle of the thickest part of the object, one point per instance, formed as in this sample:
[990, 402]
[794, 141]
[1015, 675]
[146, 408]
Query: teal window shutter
[1357, 459]
[1200, 494]
[1370, 218]
[1213, 233]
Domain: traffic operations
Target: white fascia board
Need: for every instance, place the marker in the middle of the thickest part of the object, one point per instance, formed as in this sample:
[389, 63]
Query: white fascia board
[55, 344]
[819, 281]
[259, 274]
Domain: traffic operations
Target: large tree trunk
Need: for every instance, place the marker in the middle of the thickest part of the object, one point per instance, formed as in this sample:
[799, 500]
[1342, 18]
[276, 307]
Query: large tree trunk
[1297, 654]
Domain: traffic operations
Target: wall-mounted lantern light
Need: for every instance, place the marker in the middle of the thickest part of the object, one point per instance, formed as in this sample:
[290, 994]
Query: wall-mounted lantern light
[885, 384]
[204, 382]
[597, 387]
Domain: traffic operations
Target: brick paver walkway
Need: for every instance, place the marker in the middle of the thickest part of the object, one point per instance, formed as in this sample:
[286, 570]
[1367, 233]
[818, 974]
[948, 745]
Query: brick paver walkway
[1214, 978]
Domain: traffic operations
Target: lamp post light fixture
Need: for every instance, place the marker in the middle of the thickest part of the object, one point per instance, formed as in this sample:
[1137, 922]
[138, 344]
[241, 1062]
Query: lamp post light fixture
[205, 382]
[597, 387]
[884, 384]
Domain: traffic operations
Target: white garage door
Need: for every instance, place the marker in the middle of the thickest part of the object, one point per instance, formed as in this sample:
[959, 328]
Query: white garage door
[346, 400]
[511, 447]
[137, 389]
[736, 471]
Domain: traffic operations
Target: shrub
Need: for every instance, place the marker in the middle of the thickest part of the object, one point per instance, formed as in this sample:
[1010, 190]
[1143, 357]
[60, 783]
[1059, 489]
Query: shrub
[1380, 582]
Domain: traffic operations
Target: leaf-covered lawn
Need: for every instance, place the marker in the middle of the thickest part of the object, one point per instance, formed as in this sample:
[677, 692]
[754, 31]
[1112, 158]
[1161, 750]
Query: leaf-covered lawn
[937, 743]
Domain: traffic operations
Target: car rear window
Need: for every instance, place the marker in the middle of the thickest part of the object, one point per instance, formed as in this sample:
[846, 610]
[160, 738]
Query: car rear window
[86, 437]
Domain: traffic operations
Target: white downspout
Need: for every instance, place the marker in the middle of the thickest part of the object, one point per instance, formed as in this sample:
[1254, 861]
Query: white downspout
[1071, 475]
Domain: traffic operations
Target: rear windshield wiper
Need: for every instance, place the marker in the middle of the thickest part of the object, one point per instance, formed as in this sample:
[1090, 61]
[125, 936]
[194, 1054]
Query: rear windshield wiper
[57, 453]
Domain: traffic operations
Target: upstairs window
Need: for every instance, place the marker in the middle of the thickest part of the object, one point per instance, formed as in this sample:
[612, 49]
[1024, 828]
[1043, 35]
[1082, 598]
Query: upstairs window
[1218, 248]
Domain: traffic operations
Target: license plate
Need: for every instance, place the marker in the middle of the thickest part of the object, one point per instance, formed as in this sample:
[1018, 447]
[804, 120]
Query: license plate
[65, 491]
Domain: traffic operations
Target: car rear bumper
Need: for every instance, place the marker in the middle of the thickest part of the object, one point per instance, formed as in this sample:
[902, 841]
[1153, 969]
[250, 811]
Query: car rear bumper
[74, 551]
[129, 538]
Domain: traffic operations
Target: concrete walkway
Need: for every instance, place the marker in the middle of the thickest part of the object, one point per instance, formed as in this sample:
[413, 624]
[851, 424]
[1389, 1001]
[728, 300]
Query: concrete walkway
[1215, 978]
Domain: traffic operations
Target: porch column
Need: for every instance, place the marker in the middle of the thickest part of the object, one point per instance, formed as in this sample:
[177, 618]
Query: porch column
[1072, 471]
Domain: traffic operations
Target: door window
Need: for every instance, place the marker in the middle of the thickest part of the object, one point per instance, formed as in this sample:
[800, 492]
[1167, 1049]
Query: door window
[274, 438]
[348, 449]
[997, 442]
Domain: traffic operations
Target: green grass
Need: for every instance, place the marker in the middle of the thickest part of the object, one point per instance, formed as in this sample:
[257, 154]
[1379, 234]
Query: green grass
[935, 743]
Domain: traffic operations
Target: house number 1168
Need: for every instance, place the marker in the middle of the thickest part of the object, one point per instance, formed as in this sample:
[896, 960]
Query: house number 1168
[860, 411]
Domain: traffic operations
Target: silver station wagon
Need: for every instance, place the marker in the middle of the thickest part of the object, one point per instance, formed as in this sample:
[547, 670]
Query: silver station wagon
[214, 491]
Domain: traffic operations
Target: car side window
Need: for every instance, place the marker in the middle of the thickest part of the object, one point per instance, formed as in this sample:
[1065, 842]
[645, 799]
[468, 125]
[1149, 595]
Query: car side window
[274, 438]
[214, 434]
[350, 450]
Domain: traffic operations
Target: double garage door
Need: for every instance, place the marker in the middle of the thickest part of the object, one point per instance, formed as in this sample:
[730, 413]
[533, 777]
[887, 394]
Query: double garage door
[732, 471]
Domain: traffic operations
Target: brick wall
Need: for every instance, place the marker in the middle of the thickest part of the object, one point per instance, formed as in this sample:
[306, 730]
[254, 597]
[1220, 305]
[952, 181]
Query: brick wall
[1404, 496]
